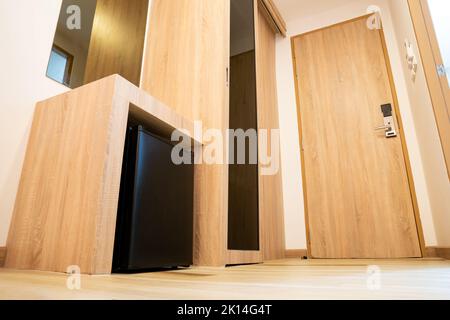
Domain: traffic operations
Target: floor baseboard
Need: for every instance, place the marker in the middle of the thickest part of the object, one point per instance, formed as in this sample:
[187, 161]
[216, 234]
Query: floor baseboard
[2, 256]
[430, 252]
[296, 253]
[437, 252]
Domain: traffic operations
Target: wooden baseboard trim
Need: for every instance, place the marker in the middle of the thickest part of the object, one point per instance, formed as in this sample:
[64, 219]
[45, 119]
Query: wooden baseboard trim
[2, 256]
[296, 253]
[437, 252]
[235, 257]
[430, 252]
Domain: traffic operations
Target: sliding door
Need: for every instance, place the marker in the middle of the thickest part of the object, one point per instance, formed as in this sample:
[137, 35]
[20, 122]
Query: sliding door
[270, 184]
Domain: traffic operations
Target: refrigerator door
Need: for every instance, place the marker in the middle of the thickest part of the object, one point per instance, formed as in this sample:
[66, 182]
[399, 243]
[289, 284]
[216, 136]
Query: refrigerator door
[155, 221]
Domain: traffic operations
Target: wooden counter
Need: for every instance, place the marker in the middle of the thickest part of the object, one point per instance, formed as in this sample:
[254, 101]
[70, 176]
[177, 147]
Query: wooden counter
[66, 206]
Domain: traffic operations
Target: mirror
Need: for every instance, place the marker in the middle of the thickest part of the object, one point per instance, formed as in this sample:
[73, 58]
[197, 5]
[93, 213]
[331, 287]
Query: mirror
[243, 212]
[98, 38]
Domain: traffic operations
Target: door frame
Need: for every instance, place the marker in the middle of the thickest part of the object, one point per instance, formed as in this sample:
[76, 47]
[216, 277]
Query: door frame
[431, 57]
[400, 133]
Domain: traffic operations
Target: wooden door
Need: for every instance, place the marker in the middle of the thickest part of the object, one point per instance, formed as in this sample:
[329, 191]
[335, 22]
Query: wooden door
[358, 198]
[431, 25]
[270, 186]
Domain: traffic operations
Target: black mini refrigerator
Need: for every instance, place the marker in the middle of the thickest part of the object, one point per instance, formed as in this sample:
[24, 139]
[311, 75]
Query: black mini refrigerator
[155, 217]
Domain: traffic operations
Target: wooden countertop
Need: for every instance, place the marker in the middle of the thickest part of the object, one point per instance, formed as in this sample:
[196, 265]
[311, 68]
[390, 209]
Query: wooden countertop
[66, 206]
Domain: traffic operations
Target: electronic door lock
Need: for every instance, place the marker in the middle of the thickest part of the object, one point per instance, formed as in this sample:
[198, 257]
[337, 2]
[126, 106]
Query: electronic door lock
[389, 123]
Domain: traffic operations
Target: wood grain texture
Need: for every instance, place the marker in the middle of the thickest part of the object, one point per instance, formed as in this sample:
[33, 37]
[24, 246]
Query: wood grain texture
[2, 256]
[236, 257]
[185, 66]
[438, 252]
[66, 206]
[117, 40]
[292, 279]
[358, 195]
[443, 252]
[273, 16]
[431, 57]
[270, 186]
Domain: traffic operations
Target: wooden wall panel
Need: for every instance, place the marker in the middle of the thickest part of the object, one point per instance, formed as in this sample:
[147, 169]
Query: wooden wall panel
[185, 66]
[270, 187]
[117, 41]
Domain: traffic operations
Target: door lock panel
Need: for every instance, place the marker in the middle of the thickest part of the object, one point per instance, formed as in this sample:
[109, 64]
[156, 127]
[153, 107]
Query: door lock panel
[389, 123]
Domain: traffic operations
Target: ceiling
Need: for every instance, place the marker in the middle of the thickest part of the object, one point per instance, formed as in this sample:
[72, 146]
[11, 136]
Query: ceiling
[295, 9]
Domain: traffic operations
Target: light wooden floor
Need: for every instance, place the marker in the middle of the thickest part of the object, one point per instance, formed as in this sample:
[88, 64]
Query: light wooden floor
[286, 279]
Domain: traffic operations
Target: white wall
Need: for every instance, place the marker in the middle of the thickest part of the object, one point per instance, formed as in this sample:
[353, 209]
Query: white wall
[426, 129]
[26, 29]
[292, 180]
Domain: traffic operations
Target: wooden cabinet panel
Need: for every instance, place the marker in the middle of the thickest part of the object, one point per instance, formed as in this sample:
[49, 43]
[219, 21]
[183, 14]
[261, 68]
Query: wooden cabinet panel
[270, 187]
[185, 66]
[66, 205]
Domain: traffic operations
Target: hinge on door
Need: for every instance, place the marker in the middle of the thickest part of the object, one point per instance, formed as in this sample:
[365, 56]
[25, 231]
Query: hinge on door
[441, 70]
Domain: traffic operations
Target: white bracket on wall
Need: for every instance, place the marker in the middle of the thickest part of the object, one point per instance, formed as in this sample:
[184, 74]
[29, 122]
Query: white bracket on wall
[411, 59]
